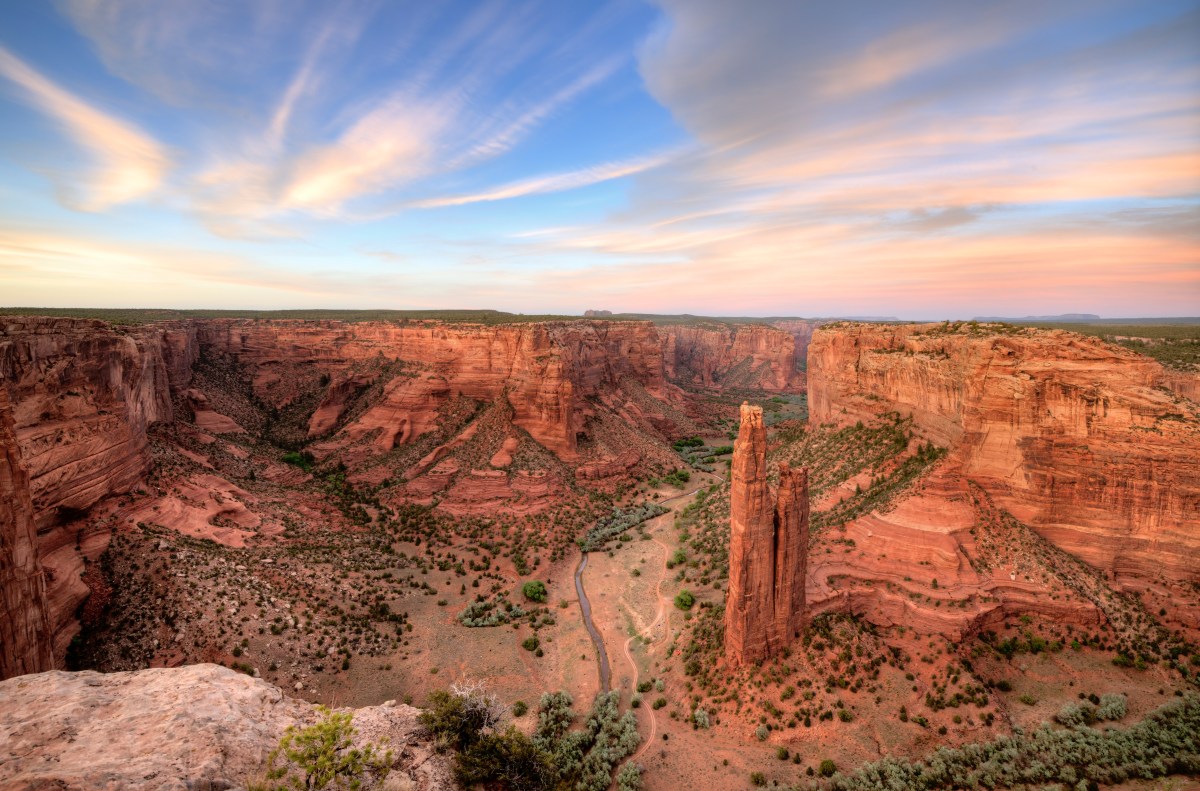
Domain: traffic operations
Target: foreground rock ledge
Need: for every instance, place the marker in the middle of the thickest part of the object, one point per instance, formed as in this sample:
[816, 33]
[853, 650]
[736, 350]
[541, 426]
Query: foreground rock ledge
[198, 727]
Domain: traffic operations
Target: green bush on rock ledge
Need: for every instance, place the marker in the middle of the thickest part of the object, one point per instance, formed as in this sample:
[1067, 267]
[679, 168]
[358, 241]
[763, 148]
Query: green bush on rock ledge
[323, 755]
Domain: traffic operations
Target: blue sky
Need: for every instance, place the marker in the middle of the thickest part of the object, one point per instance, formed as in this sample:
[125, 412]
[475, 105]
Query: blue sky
[924, 159]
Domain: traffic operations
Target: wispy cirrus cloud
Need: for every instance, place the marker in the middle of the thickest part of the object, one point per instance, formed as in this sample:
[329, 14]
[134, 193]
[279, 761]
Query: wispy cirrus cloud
[127, 163]
[557, 182]
[352, 130]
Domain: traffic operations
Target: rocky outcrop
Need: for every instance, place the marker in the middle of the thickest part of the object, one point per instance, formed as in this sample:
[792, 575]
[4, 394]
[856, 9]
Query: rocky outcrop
[208, 419]
[741, 356]
[333, 404]
[1083, 440]
[768, 548]
[202, 726]
[83, 393]
[25, 631]
[608, 467]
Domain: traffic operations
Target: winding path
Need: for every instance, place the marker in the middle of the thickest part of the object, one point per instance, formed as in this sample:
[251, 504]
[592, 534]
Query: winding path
[585, 608]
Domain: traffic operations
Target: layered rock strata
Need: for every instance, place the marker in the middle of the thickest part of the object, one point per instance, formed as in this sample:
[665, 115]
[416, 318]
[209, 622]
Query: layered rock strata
[81, 396]
[1083, 440]
[25, 632]
[550, 372]
[768, 547]
[743, 356]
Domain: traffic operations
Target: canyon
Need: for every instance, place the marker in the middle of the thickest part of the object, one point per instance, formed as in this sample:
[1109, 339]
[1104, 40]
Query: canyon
[349, 511]
[81, 396]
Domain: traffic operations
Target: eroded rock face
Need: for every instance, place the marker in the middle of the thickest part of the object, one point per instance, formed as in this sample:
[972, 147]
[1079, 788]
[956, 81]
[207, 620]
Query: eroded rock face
[548, 372]
[82, 395]
[202, 726]
[1084, 441]
[768, 547]
[741, 356]
[25, 632]
[801, 331]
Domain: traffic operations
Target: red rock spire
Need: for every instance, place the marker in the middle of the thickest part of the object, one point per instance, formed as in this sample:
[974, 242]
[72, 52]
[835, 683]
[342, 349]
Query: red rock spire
[768, 548]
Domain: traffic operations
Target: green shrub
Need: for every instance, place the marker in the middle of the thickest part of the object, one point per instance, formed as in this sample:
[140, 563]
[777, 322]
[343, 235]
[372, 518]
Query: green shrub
[827, 768]
[534, 590]
[323, 756]
[519, 708]
[509, 759]
[1076, 715]
[684, 600]
[1166, 743]
[1112, 707]
[629, 778]
[530, 643]
[303, 460]
[461, 717]
[758, 779]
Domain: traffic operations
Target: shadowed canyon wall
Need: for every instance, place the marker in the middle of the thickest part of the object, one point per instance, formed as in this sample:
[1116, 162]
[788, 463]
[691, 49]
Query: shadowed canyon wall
[744, 356]
[81, 395]
[768, 549]
[1085, 441]
[25, 633]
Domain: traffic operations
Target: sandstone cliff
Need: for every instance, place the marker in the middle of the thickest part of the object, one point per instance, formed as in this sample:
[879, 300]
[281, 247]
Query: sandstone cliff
[202, 726]
[801, 331]
[768, 549]
[1083, 440]
[743, 356]
[25, 632]
[82, 395]
[548, 372]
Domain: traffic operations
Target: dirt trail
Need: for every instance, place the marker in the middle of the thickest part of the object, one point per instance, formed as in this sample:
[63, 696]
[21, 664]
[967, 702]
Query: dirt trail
[662, 610]
[663, 613]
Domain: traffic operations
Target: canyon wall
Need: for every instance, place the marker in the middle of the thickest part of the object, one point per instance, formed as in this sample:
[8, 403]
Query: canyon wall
[768, 550]
[1083, 440]
[743, 356]
[549, 372]
[81, 394]
[25, 633]
[80, 397]
[801, 331]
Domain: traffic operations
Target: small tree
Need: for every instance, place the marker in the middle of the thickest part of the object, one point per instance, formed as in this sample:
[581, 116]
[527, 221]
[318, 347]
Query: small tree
[684, 600]
[534, 590]
[324, 756]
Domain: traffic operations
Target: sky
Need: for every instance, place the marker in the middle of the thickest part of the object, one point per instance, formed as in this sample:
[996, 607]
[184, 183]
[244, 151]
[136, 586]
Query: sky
[923, 159]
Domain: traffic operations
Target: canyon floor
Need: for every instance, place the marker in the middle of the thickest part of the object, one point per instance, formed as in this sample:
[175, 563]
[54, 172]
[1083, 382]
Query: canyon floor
[304, 580]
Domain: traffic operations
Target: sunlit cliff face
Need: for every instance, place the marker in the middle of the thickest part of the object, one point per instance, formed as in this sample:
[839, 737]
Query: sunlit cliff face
[922, 160]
